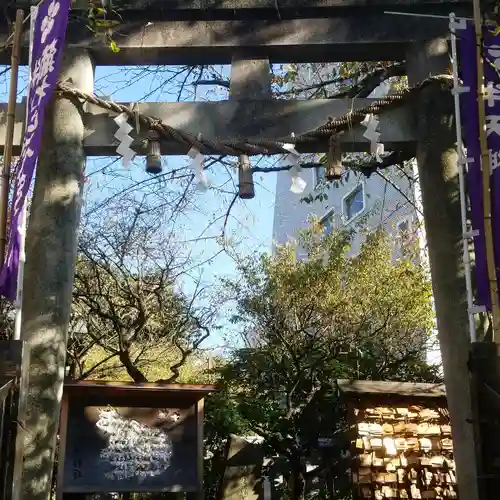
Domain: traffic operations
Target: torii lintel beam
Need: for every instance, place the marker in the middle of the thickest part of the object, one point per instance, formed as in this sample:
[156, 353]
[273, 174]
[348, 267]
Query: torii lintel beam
[375, 37]
[156, 10]
[230, 120]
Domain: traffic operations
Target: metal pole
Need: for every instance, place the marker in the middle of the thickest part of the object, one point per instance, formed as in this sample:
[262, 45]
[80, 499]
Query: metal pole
[20, 274]
[416, 14]
[9, 133]
[486, 175]
[461, 177]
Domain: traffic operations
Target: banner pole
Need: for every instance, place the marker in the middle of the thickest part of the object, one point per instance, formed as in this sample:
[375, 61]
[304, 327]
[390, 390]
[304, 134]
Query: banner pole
[9, 133]
[22, 227]
[486, 175]
[461, 177]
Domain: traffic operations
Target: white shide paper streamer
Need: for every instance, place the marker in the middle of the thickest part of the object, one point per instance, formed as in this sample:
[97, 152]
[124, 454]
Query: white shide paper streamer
[292, 158]
[122, 134]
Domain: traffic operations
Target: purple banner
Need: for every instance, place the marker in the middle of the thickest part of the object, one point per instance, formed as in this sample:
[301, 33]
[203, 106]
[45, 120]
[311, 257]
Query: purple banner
[469, 105]
[48, 41]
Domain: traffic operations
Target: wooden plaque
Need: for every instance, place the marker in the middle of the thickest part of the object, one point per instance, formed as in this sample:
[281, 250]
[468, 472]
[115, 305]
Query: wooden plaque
[131, 438]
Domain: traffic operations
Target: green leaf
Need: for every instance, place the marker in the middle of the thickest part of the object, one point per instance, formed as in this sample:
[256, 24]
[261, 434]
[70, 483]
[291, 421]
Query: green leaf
[113, 46]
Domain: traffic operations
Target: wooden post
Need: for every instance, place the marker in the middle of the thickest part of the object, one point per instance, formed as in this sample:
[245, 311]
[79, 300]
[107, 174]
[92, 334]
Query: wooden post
[486, 390]
[200, 416]
[250, 79]
[438, 175]
[14, 364]
[50, 264]
[9, 133]
[63, 431]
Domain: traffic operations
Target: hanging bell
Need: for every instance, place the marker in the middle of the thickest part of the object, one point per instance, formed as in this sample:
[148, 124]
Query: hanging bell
[153, 155]
[246, 189]
[333, 169]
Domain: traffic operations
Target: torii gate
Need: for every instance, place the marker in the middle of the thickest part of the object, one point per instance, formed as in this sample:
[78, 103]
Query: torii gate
[218, 31]
[250, 34]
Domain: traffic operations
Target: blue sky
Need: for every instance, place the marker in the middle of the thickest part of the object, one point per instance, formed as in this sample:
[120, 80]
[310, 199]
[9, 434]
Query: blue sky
[250, 223]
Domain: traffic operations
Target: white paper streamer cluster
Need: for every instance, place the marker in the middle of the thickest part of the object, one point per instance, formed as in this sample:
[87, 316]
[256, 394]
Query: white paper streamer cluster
[490, 93]
[292, 158]
[198, 168]
[371, 124]
[133, 450]
[122, 134]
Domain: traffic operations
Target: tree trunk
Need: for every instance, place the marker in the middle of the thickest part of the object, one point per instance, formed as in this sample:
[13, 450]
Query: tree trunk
[134, 373]
[438, 173]
[49, 271]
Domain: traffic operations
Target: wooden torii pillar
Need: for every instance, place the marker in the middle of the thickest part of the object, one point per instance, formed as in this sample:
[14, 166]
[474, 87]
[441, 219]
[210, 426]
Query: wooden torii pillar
[49, 270]
[437, 160]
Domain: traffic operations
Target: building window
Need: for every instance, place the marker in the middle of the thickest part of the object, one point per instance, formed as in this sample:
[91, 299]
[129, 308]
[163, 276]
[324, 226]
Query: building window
[404, 231]
[404, 226]
[319, 175]
[327, 221]
[353, 203]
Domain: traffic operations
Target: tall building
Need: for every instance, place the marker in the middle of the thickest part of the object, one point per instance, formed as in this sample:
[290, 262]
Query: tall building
[387, 199]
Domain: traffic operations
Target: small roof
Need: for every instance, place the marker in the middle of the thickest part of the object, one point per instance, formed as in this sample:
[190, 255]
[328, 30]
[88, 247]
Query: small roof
[114, 392]
[402, 389]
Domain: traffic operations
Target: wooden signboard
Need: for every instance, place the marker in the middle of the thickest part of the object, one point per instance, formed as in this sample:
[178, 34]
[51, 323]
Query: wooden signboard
[131, 438]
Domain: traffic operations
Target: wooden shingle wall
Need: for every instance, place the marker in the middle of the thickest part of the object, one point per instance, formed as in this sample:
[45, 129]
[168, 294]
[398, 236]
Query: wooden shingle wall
[401, 445]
